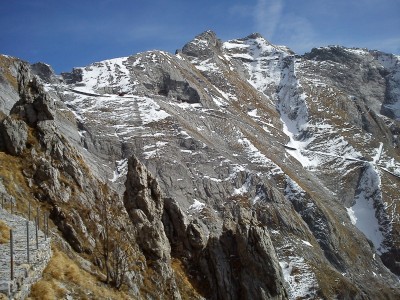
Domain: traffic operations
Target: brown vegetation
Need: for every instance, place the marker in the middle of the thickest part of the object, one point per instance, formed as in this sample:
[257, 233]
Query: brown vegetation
[4, 232]
[186, 289]
[62, 274]
[5, 64]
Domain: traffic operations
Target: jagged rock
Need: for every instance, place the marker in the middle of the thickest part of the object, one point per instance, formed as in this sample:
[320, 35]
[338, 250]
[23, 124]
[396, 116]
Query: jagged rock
[74, 77]
[34, 104]
[203, 46]
[196, 236]
[47, 175]
[13, 135]
[44, 72]
[144, 204]
[69, 233]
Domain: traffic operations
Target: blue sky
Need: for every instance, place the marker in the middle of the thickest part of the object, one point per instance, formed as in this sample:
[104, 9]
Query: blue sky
[76, 33]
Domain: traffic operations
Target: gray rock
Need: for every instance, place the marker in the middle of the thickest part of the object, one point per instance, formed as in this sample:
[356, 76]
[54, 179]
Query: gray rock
[8, 83]
[74, 77]
[13, 135]
[34, 104]
[144, 204]
[69, 233]
[44, 72]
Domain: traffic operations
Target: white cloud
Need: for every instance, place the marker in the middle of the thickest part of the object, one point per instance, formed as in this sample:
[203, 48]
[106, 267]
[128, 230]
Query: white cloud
[275, 24]
[296, 32]
[241, 10]
[267, 16]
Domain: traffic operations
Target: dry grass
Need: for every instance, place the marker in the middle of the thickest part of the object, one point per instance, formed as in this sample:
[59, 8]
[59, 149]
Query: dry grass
[47, 290]
[62, 275]
[186, 289]
[14, 181]
[3, 297]
[5, 64]
[332, 284]
[4, 233]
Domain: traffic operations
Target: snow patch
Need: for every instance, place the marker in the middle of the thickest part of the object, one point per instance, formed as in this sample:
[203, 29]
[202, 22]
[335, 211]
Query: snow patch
[256, 156]
[150, 111]
[196, 207]
[306, 243]
[253, 113]
[121, 169]
[376, 158]
[363, 213]
[300, 278]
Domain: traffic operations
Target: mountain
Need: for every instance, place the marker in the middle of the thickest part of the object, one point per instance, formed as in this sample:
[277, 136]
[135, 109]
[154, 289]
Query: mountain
[229, 170]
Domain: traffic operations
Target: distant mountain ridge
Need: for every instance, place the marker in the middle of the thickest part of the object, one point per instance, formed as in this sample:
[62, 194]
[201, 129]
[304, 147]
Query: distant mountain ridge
[233, 170]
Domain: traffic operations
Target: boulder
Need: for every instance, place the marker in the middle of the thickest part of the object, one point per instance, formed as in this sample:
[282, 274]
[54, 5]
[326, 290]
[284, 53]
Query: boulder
[13, 136]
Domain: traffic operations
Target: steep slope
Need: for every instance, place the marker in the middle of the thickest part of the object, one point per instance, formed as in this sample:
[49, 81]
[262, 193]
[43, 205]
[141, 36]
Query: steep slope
[240, 169]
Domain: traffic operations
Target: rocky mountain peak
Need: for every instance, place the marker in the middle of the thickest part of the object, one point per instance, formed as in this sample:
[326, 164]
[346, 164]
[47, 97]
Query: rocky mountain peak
[45, 72]
[202, 46]
[254, 35]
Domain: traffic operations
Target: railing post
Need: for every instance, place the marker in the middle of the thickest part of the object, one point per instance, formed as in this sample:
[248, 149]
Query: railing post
[37, 216]
[44, 226]
[27, 240]
[47, 224]
[36, 229]
[11, 255]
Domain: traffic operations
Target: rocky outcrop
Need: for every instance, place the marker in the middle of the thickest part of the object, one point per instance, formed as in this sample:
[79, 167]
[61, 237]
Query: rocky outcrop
[35, 104]
[74, 77]
[8, 82]
[44, 72]
[13, 136]
[203, 46]
[145, 206]
[241, 263]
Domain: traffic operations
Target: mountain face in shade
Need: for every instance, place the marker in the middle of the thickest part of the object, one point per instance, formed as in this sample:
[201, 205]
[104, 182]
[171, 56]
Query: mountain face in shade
[229, 170]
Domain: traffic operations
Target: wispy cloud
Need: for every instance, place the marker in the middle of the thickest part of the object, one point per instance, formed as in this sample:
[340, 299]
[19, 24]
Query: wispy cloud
[271, 19]
[296, 32]
[241, 10]
[267, 16]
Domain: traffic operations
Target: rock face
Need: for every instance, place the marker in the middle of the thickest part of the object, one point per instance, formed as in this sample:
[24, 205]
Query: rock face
[230, 170]
[8, 82]
[145, 207]
[34, 104]
[14, 136]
